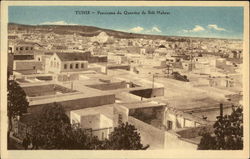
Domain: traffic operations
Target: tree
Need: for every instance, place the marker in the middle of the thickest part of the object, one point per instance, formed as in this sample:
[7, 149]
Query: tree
[79, 139]
[17, 102]
[124, 137]
[52, 130]
[207, 142]
[228, 133]
[51, 126]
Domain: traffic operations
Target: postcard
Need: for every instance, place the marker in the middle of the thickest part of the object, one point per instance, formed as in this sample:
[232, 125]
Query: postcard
[105, 79]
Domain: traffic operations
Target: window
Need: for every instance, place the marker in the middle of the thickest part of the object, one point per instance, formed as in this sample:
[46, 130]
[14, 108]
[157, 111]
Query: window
[82, 65]
[39, 59]
[21, 48]
[17, 48]
[27, 48]
[31, 48]
[65, 66]
[169, 125]
[71, 66]
[77, 65]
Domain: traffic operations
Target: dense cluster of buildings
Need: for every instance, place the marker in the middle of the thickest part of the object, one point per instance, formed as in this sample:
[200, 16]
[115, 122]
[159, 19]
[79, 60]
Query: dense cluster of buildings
[102, 81]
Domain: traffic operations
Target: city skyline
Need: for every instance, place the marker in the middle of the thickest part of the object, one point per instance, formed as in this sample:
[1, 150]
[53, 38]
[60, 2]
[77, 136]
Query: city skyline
[211, 22]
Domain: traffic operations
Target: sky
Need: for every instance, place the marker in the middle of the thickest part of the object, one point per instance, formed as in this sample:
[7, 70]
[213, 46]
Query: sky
[215, 22]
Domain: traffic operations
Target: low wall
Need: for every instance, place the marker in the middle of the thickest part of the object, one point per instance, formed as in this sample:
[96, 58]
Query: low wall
[65, 77]
[96, 59]
[149, 134]
[197, 131]
[27, 65]
[80, 103]
[109, 86]
[43, 90]
[124, 67]
[23, 57]
[25, 72]
[149, 93]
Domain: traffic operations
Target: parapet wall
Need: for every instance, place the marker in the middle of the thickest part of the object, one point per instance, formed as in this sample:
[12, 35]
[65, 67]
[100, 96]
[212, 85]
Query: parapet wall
[80, 103]
[149, 93]
[27, 65]
[149, 134]
[109, 86]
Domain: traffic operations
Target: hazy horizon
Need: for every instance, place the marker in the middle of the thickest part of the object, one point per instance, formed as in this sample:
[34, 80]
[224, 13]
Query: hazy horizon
[130, 32]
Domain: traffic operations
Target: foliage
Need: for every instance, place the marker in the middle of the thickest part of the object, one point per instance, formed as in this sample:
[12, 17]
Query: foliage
[51, 126]
[53, 130]
[17, 102]
[207, 142]
[124, 137]
[228, 133]
[78, 139]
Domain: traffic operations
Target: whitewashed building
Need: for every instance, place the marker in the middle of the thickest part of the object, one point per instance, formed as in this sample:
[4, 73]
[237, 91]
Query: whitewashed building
[67, 62]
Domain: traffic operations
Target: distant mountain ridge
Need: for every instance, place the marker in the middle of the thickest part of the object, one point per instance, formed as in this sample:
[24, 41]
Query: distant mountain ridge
[90, 31]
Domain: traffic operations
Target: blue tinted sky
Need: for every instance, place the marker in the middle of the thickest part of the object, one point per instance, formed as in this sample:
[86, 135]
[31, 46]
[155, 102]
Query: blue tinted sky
[222, 22]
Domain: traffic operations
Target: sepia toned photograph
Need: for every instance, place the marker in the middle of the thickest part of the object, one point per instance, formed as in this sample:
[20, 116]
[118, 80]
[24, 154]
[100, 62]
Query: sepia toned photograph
[94, 77]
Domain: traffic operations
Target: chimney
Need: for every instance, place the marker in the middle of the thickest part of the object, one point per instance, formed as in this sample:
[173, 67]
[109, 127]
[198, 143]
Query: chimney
[221, 110]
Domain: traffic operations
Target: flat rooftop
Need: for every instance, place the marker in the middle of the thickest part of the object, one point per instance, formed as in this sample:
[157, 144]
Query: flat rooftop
[44, 90]
[91, 79]
[80, 92]
[191, 104]
[142, 104]
[106, 110]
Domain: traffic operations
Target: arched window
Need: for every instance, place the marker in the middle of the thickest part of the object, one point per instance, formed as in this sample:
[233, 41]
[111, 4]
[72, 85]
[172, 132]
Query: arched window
[77, 65]
[71, 66]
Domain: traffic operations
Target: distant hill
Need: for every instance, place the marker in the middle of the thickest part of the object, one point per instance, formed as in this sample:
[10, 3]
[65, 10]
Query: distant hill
[90, 31]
